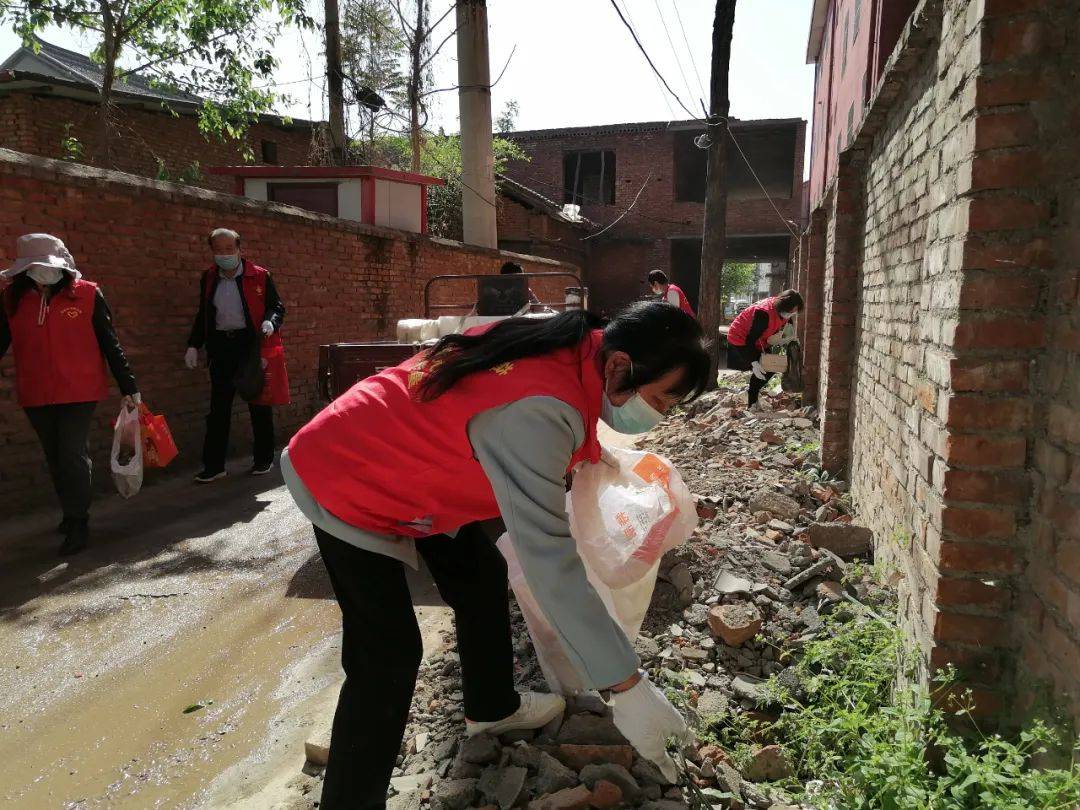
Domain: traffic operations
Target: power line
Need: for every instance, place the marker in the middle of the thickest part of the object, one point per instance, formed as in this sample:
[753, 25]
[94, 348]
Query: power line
[674, 51]
[648, 59]
[619, 218]
[656, 80]
[689, 50]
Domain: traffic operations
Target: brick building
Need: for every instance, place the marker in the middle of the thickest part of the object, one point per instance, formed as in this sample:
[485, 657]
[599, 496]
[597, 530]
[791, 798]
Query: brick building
[605, 169]
[52, 95]
[942, 333]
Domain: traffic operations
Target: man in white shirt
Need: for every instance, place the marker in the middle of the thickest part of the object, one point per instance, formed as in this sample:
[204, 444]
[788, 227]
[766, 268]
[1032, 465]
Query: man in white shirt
[238, 306]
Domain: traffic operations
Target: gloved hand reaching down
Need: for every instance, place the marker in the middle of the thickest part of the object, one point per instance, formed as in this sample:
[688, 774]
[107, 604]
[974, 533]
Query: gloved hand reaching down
[648, 720]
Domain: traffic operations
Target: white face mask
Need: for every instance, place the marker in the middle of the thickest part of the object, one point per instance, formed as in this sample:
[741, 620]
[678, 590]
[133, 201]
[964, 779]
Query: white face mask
[787, 316]
[45, 276]
[633, 416]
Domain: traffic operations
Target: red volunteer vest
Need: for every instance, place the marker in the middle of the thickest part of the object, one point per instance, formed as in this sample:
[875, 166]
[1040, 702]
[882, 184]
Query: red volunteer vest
[252, 287]
[684, 302]
[58, 360]
[740, 327]
[381, 459]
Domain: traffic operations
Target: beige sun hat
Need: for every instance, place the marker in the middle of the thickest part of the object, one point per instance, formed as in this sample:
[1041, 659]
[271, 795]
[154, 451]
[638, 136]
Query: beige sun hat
[40, 250]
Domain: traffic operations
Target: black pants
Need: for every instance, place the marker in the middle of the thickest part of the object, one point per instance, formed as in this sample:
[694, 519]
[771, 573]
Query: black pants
[63, 431]
[381, 652]
[226, 357]
[742, 358]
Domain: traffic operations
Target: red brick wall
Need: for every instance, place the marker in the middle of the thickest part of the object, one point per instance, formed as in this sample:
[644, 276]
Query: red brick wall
[145, 243]
[963, 389]
[36, 124]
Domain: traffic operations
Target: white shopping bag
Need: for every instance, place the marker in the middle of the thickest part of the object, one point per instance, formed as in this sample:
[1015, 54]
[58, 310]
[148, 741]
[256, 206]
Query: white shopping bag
[623, 519]
[126, 460]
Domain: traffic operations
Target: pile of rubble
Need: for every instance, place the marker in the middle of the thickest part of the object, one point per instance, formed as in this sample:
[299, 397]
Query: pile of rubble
[767, 563]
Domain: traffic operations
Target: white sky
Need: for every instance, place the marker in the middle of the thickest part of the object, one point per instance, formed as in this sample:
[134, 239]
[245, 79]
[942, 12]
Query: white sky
[576, 64]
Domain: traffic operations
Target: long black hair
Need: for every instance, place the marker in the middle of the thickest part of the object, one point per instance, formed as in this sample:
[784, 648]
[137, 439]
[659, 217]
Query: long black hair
[658, 337]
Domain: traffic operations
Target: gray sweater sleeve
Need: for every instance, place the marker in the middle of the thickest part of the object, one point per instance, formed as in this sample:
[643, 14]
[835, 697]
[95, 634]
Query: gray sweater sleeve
[524, 448]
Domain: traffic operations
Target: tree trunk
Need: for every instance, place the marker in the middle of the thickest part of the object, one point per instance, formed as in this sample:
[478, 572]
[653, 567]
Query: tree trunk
[335, 83]
[416, 47]
[710, 304]
[111, 51]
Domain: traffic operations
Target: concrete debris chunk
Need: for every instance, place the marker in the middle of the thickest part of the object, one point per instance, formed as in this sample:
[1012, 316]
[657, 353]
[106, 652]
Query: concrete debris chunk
[776, 504]
[846, 540]
[503, 786]
[768, 764]
[616, 774]
[729, 584]
[575, 798]
[480, 749]
[578, 756]
[589, 729]
[455, 794]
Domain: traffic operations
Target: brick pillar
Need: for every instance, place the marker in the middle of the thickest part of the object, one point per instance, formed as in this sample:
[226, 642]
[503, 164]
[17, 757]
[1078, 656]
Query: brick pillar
[840, 297]
[810, 283]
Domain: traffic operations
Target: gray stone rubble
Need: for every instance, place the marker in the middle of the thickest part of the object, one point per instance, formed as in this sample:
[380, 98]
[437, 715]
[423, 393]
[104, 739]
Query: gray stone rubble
[749, 582]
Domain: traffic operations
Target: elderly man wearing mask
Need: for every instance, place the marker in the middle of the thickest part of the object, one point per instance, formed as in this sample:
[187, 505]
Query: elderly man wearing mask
[61, 333]
[238, 306]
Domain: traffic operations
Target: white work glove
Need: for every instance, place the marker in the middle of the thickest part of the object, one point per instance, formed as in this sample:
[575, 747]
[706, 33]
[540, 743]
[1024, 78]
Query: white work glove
[648, 720]
[758, 370]
[132, 401]
[191, 357]
[267, 328]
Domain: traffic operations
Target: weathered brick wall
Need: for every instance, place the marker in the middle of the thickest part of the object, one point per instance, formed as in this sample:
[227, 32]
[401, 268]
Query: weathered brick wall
[903, 297]
[36, 124]
[1035, 85]
[961, 441]
[145, 243]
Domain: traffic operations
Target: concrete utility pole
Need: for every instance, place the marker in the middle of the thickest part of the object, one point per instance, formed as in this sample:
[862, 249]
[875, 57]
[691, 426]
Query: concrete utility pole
[713, 240]
[474, 100]
[335, 83]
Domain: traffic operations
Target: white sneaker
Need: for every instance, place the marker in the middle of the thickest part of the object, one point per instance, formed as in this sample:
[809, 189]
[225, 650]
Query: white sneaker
[756, 408]
[537, 709]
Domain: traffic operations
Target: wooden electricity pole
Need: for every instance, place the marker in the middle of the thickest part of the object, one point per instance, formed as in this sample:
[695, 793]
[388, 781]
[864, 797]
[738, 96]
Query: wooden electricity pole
[335, 84]
[713, 240]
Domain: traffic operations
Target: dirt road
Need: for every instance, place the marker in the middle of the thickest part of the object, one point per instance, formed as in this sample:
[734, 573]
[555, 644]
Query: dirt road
[181, 662]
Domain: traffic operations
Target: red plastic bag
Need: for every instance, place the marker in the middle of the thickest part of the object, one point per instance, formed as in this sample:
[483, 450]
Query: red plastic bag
[158, 445]
[275, 374]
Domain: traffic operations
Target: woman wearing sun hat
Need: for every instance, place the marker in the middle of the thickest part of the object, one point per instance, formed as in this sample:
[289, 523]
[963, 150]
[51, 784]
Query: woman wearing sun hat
[61, 333]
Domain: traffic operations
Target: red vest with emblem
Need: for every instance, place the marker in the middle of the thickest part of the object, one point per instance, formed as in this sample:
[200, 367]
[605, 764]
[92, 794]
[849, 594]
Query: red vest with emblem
[740, 327]
[684, 302]
[381, 459]
[252, 287]
[57, 358]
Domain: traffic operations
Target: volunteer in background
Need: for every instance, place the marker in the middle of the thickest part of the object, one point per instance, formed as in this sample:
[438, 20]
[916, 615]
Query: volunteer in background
[238, 306]
[671, 293]
[535, 305]
[61, 333]
[754, 330]
[425, 458]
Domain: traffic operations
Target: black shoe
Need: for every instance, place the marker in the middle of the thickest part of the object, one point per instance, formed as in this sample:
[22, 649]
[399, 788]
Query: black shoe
[206, 477]
[261, 469]
[76, 538]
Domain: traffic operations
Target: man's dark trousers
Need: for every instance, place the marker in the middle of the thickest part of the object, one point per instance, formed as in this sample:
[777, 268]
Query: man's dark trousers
[227, 352]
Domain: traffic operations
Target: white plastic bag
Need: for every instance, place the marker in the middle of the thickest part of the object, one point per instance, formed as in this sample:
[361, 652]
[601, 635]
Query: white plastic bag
[127, 453]
[623, 520]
